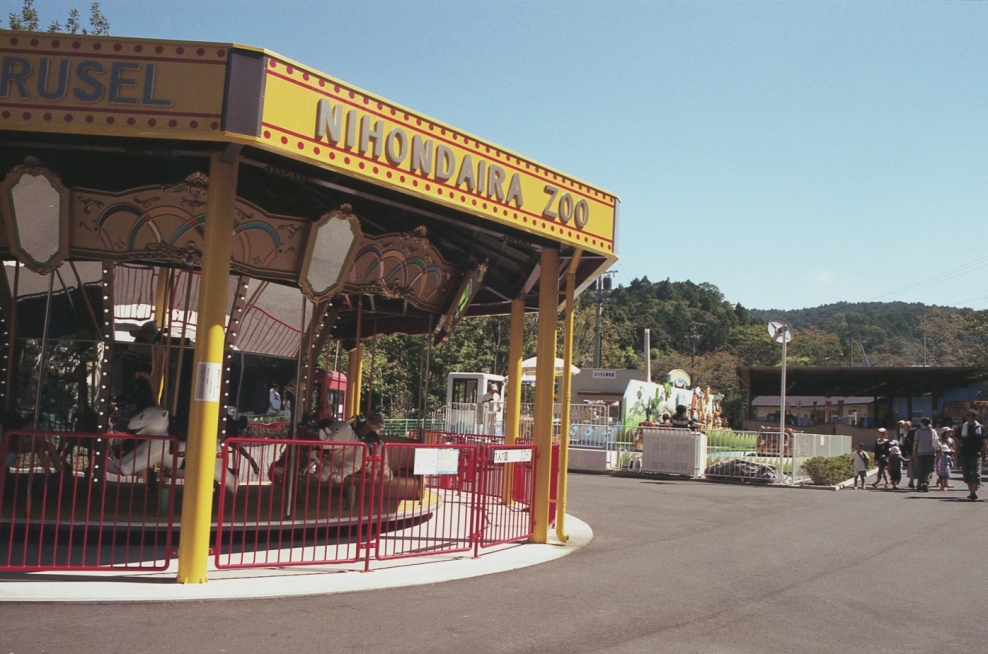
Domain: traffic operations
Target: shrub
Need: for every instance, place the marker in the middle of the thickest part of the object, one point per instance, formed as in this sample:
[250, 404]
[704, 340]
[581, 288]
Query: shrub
[831, 470]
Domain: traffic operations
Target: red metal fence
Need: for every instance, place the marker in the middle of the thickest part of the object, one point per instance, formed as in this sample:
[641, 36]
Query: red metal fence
[507, 486]
[87, 501]
[74, 501]
[280, 517]
[433, 512]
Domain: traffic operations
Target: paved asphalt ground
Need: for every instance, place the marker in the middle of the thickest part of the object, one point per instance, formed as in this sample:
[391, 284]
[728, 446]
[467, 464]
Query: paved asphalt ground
[674, 566]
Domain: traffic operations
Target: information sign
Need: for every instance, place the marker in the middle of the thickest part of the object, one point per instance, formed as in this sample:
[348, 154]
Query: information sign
[512, 456]
[436, 461]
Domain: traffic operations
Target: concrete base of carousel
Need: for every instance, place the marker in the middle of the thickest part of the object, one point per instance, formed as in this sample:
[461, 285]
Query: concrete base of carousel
[253, 583]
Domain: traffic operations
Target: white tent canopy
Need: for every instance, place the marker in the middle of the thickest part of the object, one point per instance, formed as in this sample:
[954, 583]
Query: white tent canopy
[528, 367]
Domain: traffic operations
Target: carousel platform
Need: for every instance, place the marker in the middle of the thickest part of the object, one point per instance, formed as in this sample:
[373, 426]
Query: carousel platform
[137, 503]
[68, 522]
[159, 586]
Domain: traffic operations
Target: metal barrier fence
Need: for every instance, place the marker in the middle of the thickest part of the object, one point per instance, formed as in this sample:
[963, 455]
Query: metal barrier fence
[488, 418]
[284, 519]
[504, 495]
[434, 513]
[473, 417]
[320, 502]
[280, 502]
[737, 454]
[674, 451]
[411, 426]
[65, 504]
[806, 446]
[453, 438]
[747, 454]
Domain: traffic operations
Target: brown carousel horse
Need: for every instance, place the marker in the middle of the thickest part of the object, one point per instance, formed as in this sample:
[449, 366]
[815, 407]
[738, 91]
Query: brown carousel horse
[40, 448]
[85, 420]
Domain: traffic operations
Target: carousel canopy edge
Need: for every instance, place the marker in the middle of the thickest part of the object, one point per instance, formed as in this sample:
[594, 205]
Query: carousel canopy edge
[132, 87]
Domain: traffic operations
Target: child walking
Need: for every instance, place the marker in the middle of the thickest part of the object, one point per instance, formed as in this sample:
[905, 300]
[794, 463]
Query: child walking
[895, 464]
[945, 459]
[860, 460]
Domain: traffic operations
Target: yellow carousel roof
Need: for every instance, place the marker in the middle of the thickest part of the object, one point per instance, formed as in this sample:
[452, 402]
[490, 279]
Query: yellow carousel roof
[108, 86]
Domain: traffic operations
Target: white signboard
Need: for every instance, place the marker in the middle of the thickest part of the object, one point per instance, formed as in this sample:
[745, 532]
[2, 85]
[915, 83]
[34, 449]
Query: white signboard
[208, 376]
[605, 374]
[436, 461]
[512, 456]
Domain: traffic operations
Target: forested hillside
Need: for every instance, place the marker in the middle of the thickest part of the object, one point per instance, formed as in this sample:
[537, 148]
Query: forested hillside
[694, 327]
[891, 333]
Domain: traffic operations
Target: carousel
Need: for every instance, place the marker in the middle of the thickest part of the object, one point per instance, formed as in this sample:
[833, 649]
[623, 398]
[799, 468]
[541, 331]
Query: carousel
[188, 227]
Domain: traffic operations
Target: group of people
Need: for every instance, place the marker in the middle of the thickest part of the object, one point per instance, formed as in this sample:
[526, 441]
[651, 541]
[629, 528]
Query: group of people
[923, 451]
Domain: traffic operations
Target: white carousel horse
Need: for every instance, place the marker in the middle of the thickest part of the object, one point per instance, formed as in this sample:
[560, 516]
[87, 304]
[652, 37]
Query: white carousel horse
[153, 421]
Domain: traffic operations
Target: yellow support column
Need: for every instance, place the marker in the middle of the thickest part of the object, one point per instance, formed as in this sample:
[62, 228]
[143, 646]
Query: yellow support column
[512, 409]
[567, 398]
[356, 368]
[358, 378]
[352, 391]
[545, 377]
[159, 355]
[197, 504]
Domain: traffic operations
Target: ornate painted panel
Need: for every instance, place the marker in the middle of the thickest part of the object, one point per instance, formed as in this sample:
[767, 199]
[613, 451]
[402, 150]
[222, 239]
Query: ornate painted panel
[165, 223]
[404, 266]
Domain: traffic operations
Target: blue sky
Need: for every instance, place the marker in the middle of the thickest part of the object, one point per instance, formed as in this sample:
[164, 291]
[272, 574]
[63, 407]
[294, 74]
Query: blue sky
[791, 153]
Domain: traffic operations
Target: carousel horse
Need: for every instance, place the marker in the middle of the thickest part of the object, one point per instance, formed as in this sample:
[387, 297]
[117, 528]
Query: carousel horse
[347, 461]
[43, 451]
[331, 462]
[153, 421]
[85, 420]
[309, 458]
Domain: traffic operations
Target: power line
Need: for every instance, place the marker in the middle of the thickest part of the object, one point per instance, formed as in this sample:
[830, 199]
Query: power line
[944, 276]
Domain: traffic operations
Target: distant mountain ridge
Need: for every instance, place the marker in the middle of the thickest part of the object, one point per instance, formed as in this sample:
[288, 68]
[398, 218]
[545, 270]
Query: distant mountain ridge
[899, 320]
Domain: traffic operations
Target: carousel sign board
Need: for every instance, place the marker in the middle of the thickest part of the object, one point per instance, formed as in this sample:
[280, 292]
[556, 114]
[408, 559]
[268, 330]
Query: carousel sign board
[114, 86]
[66, 83]
[310, 116]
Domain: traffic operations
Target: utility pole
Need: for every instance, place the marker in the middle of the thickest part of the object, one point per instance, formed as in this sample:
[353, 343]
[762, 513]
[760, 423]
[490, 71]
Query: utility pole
[694, 337]
[863, 353]
[648, 355]
[602, 284]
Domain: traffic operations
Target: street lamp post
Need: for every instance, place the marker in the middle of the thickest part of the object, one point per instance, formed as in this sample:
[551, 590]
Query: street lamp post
[781, 331]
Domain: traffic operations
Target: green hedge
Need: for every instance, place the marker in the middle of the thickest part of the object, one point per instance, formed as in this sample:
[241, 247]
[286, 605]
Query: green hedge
[832, 470]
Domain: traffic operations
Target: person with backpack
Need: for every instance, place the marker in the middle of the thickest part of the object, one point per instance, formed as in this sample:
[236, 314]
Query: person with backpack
[972, 449]
[906, 443]
[925, 446]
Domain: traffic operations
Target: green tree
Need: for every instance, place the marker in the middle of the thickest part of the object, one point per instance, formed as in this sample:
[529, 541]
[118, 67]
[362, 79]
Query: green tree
[814, 347]
[948, 339]
[28, 20]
